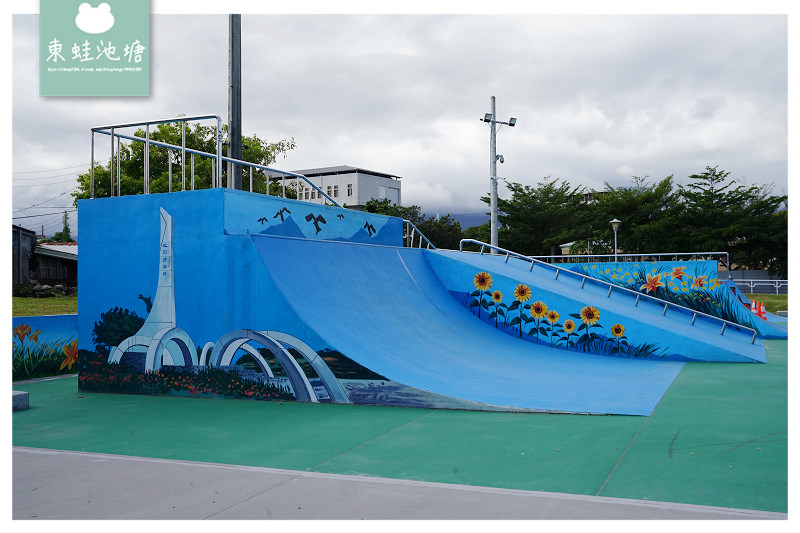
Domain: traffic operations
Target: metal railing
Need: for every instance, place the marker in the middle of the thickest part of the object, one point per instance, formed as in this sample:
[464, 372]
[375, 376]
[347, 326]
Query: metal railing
[410, 231]
[660, 256]
[752, 283]
[611, 287]
[218, 158]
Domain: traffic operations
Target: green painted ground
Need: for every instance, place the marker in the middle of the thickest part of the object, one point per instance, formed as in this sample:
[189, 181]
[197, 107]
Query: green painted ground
[719, 437]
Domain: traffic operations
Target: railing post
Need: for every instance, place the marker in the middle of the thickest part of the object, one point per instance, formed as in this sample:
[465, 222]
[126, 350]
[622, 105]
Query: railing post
[91, 171]
[192, 171]
[183, 155]
[119, 173]
[147, 159]
[111, 164]
[219, 153]
[169, 169]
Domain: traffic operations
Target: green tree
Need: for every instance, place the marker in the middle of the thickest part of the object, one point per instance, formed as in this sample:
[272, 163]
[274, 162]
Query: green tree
[537, 220]
[63, 235]
[749, 222]
[443, 232]
[648, 213]
[115, 326]
[198, 137]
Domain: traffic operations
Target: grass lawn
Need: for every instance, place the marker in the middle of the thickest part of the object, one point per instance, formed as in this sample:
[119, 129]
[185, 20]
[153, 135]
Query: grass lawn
[60, 305]
[772, 302]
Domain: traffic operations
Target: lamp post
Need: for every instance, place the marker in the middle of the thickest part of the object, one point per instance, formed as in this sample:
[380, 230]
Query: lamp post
[615, 224]
[493, 157]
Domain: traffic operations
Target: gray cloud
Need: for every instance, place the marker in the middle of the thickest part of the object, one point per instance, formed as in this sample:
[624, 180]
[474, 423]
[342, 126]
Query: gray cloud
[598, 98]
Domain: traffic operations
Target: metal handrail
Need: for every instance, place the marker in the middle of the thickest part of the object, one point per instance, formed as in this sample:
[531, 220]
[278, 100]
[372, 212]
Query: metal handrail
[410, 236]
[611, 287]
[641, 256]
[751, 283]
[218, 157]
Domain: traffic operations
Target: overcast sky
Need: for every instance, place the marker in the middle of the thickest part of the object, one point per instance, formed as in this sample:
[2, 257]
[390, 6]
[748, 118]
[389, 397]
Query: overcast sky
[598, 98]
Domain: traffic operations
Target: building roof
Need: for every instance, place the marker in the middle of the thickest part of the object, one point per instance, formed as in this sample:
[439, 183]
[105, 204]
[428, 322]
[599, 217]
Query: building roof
[63, 250]
[342, 169]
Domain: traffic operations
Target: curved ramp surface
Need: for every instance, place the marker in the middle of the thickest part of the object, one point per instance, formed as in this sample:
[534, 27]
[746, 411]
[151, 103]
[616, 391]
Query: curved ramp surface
[384, 308]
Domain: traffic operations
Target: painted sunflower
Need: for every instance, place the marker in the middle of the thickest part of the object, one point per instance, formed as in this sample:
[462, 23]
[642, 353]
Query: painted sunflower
[569, 326]
[590, 315]
[522, 293]
[497, 297]
[552, 316]
[538, 310]
[618, 330]
[482, 281]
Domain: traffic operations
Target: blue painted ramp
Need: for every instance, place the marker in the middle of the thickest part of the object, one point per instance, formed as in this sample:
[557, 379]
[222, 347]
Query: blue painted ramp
[678, 335]
[386, 309]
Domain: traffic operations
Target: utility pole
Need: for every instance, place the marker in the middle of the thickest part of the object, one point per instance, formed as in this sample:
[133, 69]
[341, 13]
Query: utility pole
[493, 177]
[491, 118]
[235, 100]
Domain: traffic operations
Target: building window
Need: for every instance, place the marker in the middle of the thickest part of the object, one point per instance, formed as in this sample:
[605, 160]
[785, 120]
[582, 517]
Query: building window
[329, 190]
[336, 191]
[349, 189]
[306, 194]
[48, 268]
[313, 194]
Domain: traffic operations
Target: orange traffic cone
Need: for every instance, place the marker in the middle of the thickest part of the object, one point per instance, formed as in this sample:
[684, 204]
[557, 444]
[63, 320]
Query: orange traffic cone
[762, 311]
[753, 307]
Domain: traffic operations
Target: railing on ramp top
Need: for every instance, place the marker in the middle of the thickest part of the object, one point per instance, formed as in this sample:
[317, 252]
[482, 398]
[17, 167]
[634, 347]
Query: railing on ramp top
[411, 232]
[217, 158]
[584, 279]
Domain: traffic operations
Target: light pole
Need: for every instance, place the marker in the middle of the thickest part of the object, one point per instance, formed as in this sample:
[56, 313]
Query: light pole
[615, 224]
[493, 157]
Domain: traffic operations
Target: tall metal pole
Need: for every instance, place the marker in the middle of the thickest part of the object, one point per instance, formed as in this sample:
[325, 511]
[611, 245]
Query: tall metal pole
[493, 175]
[235, 101]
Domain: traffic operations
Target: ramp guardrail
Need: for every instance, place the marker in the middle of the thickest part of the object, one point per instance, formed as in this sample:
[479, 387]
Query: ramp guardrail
[611, 287]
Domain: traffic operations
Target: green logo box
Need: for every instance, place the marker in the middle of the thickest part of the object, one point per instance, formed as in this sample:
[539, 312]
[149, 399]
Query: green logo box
[94, 48]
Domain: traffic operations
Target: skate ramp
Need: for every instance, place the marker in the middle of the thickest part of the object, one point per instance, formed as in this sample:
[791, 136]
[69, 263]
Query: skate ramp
[386, 309]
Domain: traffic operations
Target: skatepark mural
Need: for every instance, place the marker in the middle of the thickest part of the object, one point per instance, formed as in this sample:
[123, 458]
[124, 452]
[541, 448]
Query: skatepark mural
[43, 346]
[692, 284]
[221, 293]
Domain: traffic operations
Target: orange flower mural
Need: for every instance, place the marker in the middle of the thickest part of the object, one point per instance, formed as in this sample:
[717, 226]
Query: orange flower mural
[653, 283]
[71, 351]
[678, 273]
[699, 282]
[22, 331]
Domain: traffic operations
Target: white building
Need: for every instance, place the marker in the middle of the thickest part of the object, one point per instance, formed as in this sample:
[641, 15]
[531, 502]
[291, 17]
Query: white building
[349, 186]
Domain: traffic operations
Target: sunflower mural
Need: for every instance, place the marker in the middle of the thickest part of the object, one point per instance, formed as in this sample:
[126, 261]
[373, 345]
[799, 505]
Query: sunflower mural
[540, 323]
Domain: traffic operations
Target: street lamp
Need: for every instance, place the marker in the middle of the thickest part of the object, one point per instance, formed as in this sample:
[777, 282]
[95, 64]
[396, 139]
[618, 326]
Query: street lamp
[493, 157]
[615, 224]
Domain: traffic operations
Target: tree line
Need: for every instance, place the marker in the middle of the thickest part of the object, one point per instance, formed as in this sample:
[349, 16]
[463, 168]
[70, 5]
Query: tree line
[711, 213]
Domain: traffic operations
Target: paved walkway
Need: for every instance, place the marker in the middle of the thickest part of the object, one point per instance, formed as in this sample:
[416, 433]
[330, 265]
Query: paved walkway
[715, 447]
[51, 484]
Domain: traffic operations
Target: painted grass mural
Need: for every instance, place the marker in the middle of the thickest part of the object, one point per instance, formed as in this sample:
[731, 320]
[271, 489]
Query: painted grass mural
[35, 357]
[699, 289]
[536, 322]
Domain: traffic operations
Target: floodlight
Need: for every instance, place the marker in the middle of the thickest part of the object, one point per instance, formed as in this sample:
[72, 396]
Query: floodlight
[487, 117]
[512, 121]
